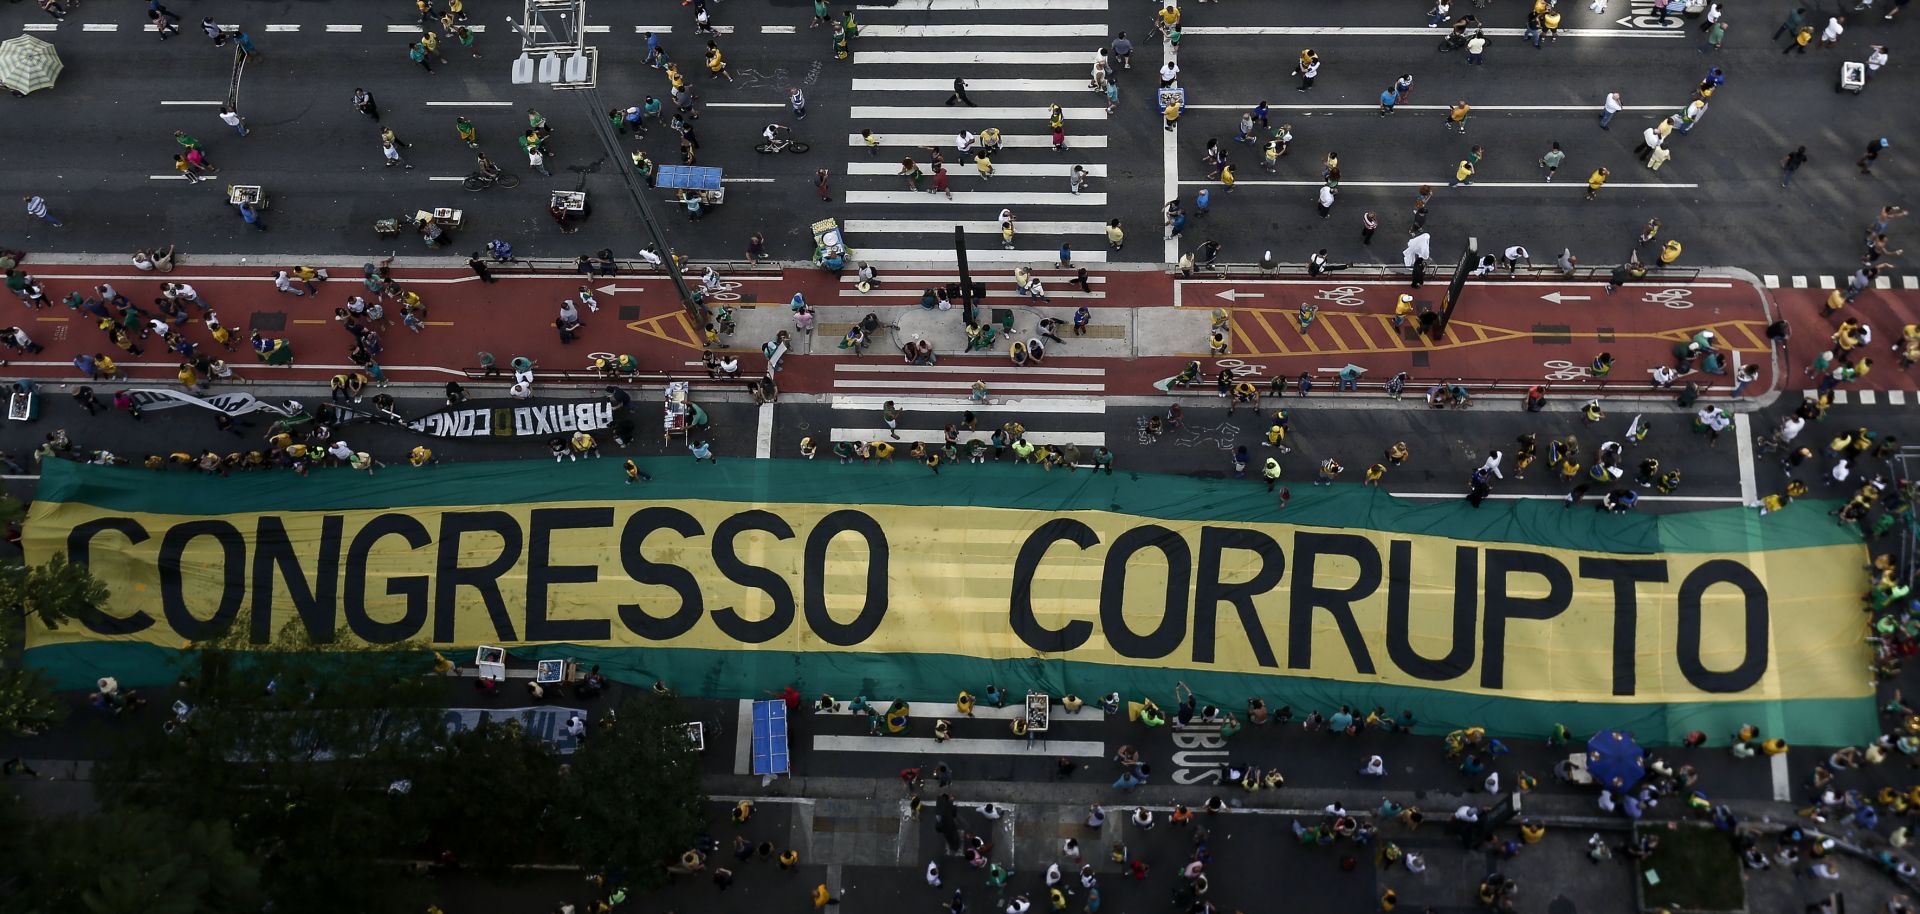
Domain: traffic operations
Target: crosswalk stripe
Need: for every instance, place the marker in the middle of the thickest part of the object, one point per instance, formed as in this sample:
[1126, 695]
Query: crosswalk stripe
[1075, 141]
[941, 84]
[1866, 397]
[960, 113]
[1770, 281]
[1910, 282]
[114, 27]
[1883, 282]
[977, 58]
[982, 197]
[986, 30]
[1069, 405]
[936, 436]
[1048, 170]
[1799, 282]
[1839, 398]
[1826, 282]
[863, 368]
[983, 255]
[985, 227]
[985, 6]
[1896, 397]
[910, 745]
[964, 386]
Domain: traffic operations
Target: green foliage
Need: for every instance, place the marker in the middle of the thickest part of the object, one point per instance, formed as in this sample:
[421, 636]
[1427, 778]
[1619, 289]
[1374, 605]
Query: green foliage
[133, 862]
[55, 592]
[296, 747]
[497, 768]
[632, 801]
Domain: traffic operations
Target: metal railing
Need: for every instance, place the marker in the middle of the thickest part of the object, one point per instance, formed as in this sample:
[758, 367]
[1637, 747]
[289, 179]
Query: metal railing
[1587, 386]
[689, 267]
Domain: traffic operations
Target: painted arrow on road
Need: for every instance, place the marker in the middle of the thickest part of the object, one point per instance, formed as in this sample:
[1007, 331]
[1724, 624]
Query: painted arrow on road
[610, 289]
[1557, 298]
[1231, 295]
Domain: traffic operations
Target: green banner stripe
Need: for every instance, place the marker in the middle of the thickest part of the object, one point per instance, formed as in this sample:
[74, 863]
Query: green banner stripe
[939, 677]
[1532, 522]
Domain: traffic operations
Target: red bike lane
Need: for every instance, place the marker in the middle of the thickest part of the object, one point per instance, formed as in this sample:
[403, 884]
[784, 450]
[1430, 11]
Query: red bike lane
[1886, 311]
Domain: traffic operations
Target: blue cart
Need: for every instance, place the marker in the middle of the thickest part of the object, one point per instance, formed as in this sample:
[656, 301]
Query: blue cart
[692, 179]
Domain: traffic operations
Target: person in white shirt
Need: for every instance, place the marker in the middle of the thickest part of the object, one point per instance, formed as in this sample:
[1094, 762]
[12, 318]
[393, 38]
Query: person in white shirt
[964, 140]
[1876, 59]
[1376, 767]
[933, 874]
[1169, 73]
[1609, 109]
[1513, 256]
[1831, 34]
[1493, 465]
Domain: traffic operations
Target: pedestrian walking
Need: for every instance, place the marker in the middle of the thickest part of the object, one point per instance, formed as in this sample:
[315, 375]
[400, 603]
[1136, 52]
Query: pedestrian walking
[1836, 26]
[1477, 48]
[213, 31]
[1596, 180]
[1552, 159]
[1873, 153]
[1791, 164]
[1457, 115]
[1716, 35]
[797, 102]
[1325, 201]
[1462, 173]
[392, 154]
[418, 55]
[363, 103]
[959, 93]
[1369, 221]
[820, 184]
[1308, 71]
[251, 216]
[232, 119]
[163, 21]
[1076, 179]
[37, 208]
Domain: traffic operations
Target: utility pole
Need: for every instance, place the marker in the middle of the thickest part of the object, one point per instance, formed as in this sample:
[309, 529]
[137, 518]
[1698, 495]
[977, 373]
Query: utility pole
[966, 281]
[1468, 259]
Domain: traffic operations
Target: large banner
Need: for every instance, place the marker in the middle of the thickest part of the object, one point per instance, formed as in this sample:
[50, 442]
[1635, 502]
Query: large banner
[516, 419]
[757, 574]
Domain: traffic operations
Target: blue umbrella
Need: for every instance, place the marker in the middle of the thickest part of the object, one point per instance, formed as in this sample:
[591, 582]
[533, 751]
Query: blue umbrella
[1615, 761]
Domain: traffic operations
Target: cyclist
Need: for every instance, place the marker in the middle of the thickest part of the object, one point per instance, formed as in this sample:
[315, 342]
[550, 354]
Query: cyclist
[779, 135]
[487, 168]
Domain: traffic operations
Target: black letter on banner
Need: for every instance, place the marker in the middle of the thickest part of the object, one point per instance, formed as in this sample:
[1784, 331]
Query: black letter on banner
[80, 551]
[484, 578]
[814, 572]
[313, 600]
[233, 580]
[1624, 573]
[543, 574]
[1020, 604]
[1501, 606]
[1166, 636]
[353, 603]
[739, 572]
[1400, 649]
[1687, 651]
[632, 538]
[1208, 592]
[1308, 596]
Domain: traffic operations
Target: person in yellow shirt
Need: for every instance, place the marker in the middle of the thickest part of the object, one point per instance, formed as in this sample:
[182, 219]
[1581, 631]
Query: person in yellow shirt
[420, 456]
[1457, 116]
[1462, 173]
[716, 62]
[1670, 252]
[1116, 236]
[1227, 177]
[1172, 113]
[985, 166]
[1596, 180]
[1169, 17]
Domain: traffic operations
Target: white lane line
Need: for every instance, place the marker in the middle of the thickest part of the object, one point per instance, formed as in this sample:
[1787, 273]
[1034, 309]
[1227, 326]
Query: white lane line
[1585, 109]
[958, 113]
[748, 180]
[928, 747]
[393, 29]
[283, 27]
[973, 85]
[1007, 140]
[447, 177]
[656, 29]
[210, 103]
[1008, 198]
[1701, 499]
[1782, 780]
[1404, 31]
[1001, 59]
[43, 27]
[746, 104]
[352, 27]
[101, 27]
[1170, 186]
[783, 30]
[176, 176]
[1075, 405]
[863, 368]
[743, 738]
[1743, 443]
[996, 255]
[763, 435]
[987, 227]
[1357, 281]
[983, 6]
[987, 30]
[468, 104]
[1538, 185]
[1041, 170]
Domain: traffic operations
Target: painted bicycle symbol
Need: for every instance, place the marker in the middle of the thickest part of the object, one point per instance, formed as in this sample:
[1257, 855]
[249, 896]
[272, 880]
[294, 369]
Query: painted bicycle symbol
[1345, 296]
[726, 292]
[1563, 370]
[1677, 299]
[1238, 368]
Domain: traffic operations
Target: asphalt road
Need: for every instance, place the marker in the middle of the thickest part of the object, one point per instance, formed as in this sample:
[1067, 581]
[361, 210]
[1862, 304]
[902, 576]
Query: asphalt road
[124, 91]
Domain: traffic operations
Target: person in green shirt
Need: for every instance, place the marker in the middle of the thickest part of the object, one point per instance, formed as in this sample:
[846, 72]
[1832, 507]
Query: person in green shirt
[1551, 161]
[468, 133]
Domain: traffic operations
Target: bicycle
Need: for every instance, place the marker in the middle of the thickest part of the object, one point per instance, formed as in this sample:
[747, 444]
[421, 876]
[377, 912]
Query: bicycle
[480, 180]
[782, 145]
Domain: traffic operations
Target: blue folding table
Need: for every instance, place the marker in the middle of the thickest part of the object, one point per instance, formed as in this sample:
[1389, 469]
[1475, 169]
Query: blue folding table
[770, 739]
[704, 179]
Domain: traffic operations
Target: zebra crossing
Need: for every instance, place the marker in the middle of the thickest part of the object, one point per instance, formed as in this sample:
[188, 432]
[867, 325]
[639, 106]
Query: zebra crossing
[1057, 405]
[905, 62]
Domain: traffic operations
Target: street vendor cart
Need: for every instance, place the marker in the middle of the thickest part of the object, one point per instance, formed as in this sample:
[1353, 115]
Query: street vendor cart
[252, 194]
[830, 246]
[680, 414]
[703, 180]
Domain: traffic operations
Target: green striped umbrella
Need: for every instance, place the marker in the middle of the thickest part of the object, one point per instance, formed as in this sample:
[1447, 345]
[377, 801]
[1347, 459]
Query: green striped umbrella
[28, 64]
